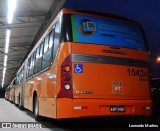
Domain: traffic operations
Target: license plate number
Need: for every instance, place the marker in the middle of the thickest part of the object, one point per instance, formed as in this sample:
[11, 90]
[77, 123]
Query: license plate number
[117, 108]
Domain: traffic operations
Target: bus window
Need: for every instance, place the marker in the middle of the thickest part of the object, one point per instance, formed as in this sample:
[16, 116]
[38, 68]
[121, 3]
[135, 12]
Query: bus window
[36, 65]
[41, 49]
[38, 61]
[56, 39]
[19, 77]
[46, 44]
[28, 67]
[37, 53]
[94, 30]
[33, 61]
[32, 65]
[51, 35]
[46, 61]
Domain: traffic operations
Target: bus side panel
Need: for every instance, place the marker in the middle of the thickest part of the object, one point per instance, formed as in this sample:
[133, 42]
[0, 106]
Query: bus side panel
[18, 90]
[34, 85]
[11, 98]
[46, 89]
[7, 94]
[44, 85]
[47, 107]
[28, 103]
[28, 95]
[49, 86]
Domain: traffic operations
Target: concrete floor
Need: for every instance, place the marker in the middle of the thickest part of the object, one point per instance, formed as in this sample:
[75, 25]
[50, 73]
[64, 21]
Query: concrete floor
[10, 114]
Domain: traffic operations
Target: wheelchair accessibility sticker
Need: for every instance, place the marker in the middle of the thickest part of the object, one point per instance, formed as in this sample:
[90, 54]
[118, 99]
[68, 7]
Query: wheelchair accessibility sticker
[78, 68]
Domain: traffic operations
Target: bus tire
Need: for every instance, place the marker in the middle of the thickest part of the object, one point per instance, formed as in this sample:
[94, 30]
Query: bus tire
[19, 103]
[35, 108]
[13, 99]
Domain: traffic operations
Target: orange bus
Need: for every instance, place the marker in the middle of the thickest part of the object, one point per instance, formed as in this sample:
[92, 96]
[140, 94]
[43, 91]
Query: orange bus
[18, 87]
[87, 64]
[11, 92]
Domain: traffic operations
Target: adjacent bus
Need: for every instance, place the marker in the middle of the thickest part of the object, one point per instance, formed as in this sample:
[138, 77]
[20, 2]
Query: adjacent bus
[7, 93]
[11, 92]
[86, 64]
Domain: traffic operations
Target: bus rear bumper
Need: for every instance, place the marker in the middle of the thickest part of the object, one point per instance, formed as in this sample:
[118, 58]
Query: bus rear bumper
[72, 108]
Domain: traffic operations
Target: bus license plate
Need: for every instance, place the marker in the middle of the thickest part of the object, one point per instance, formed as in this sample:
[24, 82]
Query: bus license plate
[117, 109]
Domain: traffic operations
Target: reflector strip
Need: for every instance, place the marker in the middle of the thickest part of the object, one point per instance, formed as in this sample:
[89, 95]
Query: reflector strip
[77, 107]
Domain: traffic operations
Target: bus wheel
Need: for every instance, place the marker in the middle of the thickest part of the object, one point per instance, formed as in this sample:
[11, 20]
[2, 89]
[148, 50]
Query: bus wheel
[35, 109]
[14, 99]
[19, 103]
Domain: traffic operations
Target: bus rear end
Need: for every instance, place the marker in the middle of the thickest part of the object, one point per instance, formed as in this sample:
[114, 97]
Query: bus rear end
[106, 72]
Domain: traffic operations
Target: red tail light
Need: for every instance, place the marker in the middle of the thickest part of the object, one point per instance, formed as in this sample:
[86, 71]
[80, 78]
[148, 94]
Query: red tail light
[66, 79]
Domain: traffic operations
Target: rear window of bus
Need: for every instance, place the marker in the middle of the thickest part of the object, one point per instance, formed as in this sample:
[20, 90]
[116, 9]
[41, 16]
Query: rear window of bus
[92, 30]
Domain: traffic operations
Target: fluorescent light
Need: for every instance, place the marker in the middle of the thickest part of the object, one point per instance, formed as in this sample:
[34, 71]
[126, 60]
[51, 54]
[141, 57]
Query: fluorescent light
[11, 9]
[2, 82]
[11, 5]
[4, 72]
[5, 57]
[5, 60]
[7, 41]
[10, 17]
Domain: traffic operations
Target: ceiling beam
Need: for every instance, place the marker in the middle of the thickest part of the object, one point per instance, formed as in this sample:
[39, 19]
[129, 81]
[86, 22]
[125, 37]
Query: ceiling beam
[25, 36]
[25, 14]
[17, 27]
[18, 44]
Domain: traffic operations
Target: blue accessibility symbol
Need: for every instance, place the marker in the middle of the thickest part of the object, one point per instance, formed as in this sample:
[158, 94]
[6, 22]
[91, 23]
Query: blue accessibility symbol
[78, 68]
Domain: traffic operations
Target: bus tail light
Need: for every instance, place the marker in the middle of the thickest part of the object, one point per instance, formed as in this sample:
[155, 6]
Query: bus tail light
[66, 90]
[66, 68]
[67, 86]
[67, 77]
[147, 107]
